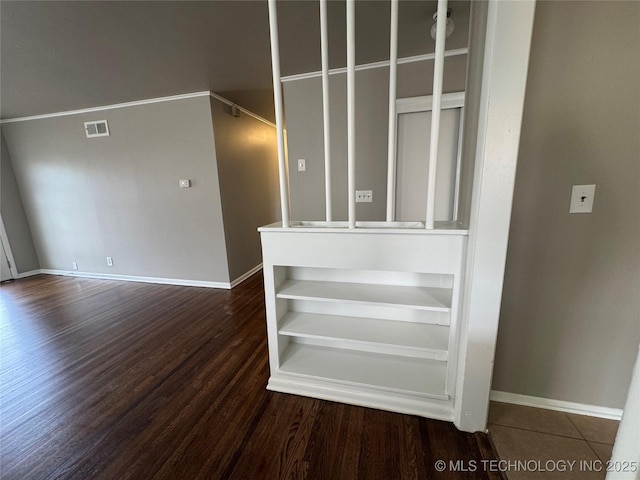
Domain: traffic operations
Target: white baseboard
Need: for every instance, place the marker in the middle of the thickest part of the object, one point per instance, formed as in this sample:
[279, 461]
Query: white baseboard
[133, 278]
[559, 405]
[30, 273]
[246, 275]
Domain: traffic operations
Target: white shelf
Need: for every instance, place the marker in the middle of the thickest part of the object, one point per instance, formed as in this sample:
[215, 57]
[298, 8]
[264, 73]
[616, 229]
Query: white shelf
[384, 336]
[421, 298]
[415, 376]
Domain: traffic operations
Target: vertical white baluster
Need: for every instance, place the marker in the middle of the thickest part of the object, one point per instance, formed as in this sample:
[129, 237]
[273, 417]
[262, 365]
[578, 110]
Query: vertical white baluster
[393, 75]
[277, 97]
[324, 41]
[351, 104]
[438, 68]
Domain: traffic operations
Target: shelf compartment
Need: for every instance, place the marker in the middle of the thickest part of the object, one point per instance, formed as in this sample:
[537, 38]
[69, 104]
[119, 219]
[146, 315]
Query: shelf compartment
[415, 376]
[421, 298]
[368, 334]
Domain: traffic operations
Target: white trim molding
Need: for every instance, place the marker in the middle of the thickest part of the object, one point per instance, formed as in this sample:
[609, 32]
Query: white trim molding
[501, 102]
[137, 103]
[558, 405]
[106, 107]
[7, 250]
[242, 109]
[368, 66]
[246, 275]
[134, 278]
[30, 273]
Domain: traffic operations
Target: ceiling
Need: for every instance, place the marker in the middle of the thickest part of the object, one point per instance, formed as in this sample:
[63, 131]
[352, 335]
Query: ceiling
[58, 55]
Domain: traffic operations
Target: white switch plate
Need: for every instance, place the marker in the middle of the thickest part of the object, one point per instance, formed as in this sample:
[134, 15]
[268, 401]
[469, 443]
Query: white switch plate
[185, 183]
[364, 196]
[75, 265]
[582, 198]
[109, 262]
[302, 165]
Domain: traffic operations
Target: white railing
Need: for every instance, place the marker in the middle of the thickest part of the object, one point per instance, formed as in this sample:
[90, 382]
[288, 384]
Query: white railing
[351, 92]
[393, 119]
[324, 50]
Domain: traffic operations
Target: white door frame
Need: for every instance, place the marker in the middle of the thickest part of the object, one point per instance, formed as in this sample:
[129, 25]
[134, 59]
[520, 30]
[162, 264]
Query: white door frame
[504, 78]
[424, 103]
[7, 249]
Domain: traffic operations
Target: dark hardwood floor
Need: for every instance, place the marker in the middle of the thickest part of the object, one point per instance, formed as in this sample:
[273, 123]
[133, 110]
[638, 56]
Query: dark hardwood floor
[114, 380]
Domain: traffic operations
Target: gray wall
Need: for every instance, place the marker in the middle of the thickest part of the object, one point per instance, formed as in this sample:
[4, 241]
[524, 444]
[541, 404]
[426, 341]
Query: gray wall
[118, 196]
[569, 326]
[303, 107]
[13, 216]
[248, 169]
[477, 33]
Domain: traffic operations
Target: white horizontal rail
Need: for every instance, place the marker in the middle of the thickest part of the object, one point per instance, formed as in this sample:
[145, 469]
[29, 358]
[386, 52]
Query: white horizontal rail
[277, 98]
[384, 63]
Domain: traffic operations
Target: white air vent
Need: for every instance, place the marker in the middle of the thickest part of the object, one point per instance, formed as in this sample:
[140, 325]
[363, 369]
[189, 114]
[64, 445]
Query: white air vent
[96, 129]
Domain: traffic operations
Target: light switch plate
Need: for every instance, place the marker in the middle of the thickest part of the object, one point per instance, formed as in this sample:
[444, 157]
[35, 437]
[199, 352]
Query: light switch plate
[582, 198]
[302, 165]
[185, 183]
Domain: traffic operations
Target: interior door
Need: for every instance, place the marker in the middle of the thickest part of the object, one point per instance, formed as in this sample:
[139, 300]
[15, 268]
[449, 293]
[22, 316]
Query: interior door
[412, 165]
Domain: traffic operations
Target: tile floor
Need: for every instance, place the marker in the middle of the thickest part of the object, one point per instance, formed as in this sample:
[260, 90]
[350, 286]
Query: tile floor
[542, 444]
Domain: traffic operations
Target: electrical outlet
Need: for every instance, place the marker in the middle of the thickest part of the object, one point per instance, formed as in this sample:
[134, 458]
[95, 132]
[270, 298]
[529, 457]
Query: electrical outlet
[364, 196]
[302, 165]
[109, 262]
[582, 198]
[185, 183]
[75, 265]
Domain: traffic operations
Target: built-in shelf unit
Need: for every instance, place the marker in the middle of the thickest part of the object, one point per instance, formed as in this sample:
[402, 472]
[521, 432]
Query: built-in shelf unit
[368, 318]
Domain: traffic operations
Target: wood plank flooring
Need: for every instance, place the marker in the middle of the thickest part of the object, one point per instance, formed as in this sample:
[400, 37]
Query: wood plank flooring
[120, 380]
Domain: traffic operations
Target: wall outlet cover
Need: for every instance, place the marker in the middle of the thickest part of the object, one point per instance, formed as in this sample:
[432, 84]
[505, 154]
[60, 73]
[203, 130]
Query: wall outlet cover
[364, 196]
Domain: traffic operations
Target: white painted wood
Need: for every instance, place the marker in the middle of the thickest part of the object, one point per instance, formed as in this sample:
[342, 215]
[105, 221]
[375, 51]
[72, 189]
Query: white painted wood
[394, 251]
[5, 270]
[13, 269]
[279, 110]
[133, 278]
[438, 75]
[456, 188]
[427, 57]
[424, 103]
[106, 107]
[363, 396]
[324, 43]
[506, 58]
[367, 228]
[557, 405]
[384, 372]
[30, 273]
[245, 276]
[391, 143]
[370, 334]
[242, 109]
[421, 298]
[626, 450]
[409, 279]
[351, 111]
[362, 317]
[396, 314]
